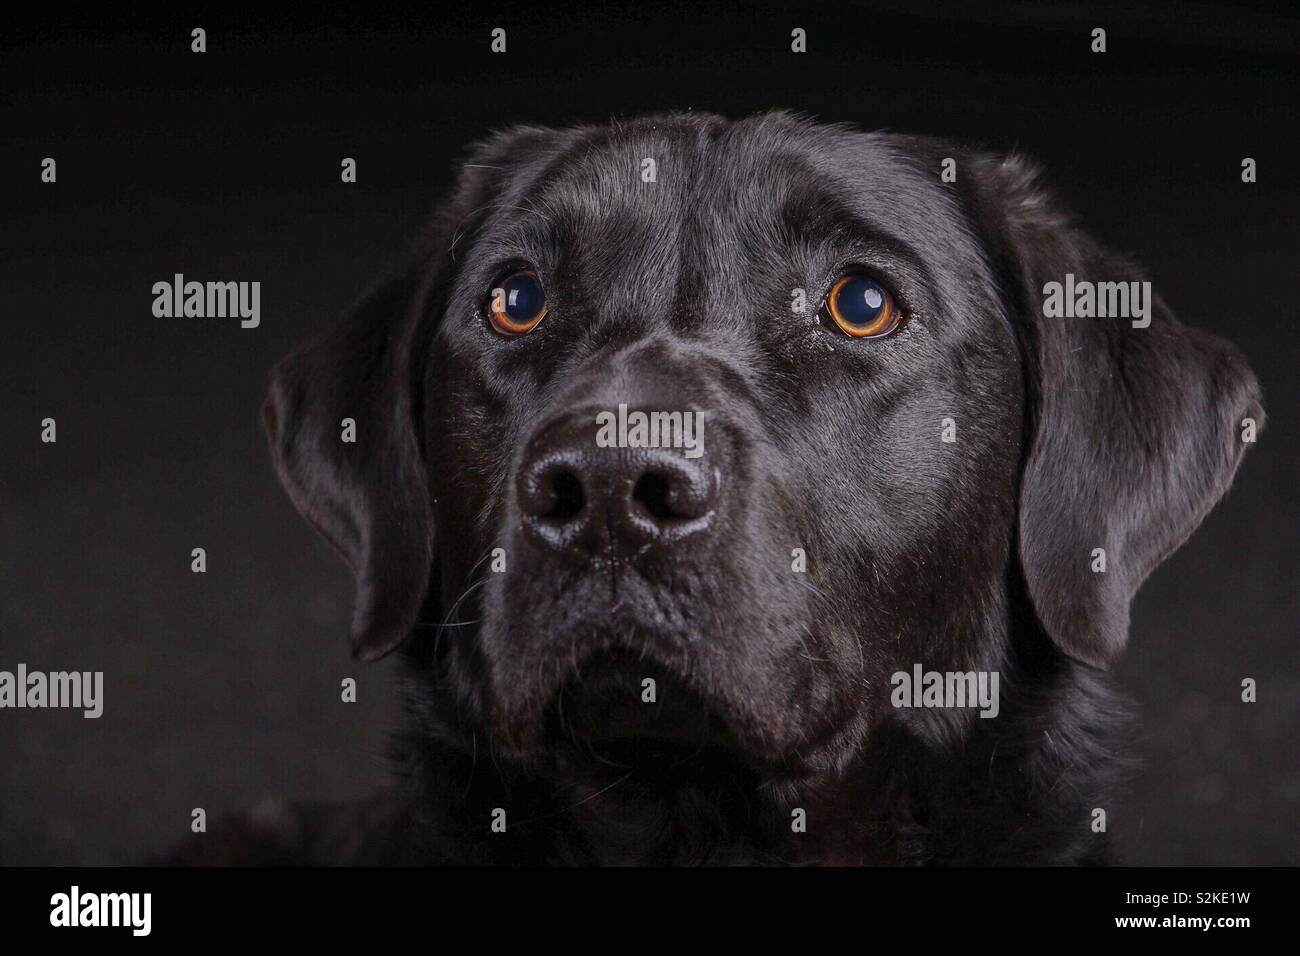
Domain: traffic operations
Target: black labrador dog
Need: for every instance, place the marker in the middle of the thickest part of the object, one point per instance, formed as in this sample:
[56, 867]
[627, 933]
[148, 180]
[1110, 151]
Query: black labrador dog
[681, 453]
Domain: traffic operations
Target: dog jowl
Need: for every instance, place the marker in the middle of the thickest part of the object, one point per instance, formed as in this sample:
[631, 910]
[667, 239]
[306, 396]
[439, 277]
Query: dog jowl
[620, 652]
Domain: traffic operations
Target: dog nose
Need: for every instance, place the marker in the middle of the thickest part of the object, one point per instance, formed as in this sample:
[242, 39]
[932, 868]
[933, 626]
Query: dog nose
[580, 498]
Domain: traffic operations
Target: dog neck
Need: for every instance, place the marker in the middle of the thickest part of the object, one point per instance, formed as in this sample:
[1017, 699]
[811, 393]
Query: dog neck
[1001, 792]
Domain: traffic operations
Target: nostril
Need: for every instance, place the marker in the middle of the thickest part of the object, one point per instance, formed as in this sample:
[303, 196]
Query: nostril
[652, 491]
[667, 494]
[566, 489]
[552, 492]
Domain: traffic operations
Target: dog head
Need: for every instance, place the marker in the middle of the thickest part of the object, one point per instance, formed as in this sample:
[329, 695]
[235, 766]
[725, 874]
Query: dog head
[866, 429]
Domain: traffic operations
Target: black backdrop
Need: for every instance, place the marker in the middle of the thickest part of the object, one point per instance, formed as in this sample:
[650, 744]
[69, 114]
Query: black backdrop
[223, 687]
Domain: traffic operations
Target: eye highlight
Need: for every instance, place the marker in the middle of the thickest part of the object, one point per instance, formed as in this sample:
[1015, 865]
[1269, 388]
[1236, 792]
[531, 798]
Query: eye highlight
[861, 307]
[517, 303]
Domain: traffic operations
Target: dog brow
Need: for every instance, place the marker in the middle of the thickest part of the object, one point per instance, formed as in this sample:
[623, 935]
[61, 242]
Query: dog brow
[824, 218]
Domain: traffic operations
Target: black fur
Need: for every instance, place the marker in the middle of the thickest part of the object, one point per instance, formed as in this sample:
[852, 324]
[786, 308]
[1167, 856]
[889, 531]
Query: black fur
[524, 685]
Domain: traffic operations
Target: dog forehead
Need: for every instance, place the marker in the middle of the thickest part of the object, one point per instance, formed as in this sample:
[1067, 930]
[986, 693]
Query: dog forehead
[721, 186]
[705, 164]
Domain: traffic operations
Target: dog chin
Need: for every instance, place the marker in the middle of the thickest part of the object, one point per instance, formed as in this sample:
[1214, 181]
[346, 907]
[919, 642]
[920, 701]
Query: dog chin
[620, 708]
[615, 696]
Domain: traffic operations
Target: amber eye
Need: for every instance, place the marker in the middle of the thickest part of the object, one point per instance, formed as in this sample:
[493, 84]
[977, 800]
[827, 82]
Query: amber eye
[861, 307]
[517, 303]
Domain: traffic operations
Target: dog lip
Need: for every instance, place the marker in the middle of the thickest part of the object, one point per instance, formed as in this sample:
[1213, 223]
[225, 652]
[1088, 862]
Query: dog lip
[563, 718]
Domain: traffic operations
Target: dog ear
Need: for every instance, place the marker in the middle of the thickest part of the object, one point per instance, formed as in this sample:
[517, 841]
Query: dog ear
[369, 496]
[341, 425]
[1135, 430]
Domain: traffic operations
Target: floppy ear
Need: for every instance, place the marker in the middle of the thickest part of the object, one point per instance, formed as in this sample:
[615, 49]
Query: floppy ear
[1135, 432]
[369, 497]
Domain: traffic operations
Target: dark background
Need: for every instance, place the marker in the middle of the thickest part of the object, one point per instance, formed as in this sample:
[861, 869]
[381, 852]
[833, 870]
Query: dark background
[224, 687]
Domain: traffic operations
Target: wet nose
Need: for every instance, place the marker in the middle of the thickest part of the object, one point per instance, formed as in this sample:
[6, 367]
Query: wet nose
[579, 498]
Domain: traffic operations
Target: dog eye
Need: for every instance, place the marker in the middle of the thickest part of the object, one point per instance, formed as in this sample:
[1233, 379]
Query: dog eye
[861, 307]
[517, 303]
